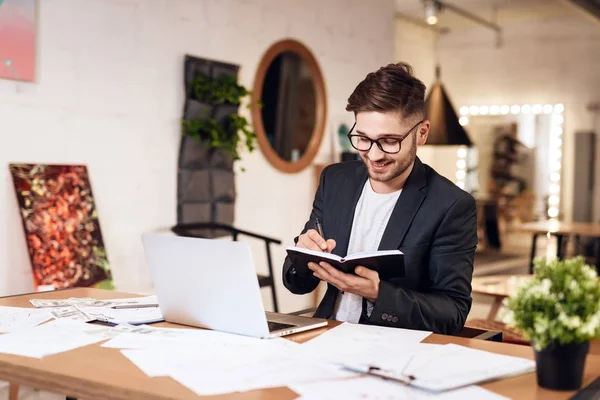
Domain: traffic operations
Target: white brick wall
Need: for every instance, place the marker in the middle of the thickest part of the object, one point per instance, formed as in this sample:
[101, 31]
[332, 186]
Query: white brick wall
[110, 94]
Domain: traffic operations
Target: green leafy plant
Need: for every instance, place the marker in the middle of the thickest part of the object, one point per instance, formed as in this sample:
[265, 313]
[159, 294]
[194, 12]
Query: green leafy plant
[222, 137]
[559, 305]
[226, 136]
[222, 90]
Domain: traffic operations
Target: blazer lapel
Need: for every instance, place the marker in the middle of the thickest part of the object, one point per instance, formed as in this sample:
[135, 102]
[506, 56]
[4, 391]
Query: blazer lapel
[406, 208]
[349, 196]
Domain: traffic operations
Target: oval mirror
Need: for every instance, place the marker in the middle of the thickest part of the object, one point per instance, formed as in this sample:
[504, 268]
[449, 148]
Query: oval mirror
[288, 107]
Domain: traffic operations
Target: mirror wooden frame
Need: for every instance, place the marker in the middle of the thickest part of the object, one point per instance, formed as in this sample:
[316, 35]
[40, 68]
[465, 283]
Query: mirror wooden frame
[321, 112]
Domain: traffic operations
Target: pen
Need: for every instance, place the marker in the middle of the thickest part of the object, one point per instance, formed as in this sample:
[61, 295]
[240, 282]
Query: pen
[124, 306]
[372, 371]
[320, 229]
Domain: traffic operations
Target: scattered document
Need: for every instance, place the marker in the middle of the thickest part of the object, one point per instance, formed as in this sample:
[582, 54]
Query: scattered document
[132, 316]
[209, 362]
[150, 338]
[160, 355]
[361, 343]
[73, 313]
[91, 302]
[429, 369]
[13, 319]
[53, 337]
[368, 388]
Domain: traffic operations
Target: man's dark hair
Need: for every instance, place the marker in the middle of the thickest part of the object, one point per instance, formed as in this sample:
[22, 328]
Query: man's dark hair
[391, 88]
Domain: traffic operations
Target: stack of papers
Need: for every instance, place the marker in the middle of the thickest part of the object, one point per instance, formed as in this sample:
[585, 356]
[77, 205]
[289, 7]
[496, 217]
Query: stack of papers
[13, 319]
[334, 364]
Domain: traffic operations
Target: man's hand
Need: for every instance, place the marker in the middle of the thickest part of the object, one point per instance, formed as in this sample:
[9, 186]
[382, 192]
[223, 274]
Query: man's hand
[313, 241]
[366, 284]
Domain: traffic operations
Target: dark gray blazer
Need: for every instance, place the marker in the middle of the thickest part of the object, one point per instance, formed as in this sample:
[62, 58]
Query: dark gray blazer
[434, 223]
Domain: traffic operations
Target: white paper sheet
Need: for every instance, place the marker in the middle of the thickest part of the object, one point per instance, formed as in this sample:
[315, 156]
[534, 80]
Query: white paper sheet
[152, 337]
[53, 337]
[368, 388]
[364, 343]
[91, 302]
[430, 368]
[134, 316]
[256, 373]
[13, 319]
[162, 355]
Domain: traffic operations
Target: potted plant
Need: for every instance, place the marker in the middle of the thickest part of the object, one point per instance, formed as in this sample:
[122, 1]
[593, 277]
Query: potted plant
[558, 310]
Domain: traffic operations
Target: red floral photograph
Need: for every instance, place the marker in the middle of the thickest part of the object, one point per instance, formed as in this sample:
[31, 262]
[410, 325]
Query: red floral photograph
[61, 226]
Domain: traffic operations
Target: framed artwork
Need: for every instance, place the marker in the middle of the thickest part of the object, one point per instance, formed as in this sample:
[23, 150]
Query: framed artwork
[61, 226]
[17, 39]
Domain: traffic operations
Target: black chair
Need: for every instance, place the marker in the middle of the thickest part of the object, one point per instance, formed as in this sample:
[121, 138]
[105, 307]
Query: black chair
[210, 230]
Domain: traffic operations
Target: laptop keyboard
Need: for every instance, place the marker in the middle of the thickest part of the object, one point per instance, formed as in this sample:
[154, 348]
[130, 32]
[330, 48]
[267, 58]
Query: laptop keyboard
[276, 326]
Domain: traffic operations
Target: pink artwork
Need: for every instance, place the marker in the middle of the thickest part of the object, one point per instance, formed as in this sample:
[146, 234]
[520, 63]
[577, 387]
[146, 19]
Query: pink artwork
[17, 39]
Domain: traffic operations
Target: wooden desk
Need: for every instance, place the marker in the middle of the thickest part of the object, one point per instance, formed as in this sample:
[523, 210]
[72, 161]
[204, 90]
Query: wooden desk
[499, 287]
[561, 230]
[93, 372]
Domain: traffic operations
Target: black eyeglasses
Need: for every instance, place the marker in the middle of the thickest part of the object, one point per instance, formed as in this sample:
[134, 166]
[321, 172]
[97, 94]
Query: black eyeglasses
[387, 145]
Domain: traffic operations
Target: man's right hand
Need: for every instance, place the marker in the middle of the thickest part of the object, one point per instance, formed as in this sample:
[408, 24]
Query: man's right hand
[313, 241]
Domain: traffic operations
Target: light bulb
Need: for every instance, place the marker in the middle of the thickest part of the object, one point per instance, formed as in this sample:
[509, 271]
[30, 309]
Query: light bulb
[553, 212]
[558, 108]
[484, 110]
[547, 108]
[461, 153]
[474, 110]
[494, 110]
[515, 109]
[553, 200]
[537, 108]
[461, 164]
[526, 109]
[464, 121]
[461, 174]
[461, 185]
[504, 110]
[464, 110]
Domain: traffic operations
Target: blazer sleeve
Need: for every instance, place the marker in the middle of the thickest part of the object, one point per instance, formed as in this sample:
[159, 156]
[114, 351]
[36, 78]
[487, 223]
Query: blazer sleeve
[444, 306]
[299, 278]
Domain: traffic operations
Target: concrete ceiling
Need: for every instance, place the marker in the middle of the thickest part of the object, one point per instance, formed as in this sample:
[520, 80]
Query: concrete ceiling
[501, 12]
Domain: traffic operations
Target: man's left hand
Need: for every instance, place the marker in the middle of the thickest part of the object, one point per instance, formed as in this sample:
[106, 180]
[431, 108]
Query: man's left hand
[365, 283]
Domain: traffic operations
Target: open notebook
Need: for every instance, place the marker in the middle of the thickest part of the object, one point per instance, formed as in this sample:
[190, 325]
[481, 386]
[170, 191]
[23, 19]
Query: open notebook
[388, 263]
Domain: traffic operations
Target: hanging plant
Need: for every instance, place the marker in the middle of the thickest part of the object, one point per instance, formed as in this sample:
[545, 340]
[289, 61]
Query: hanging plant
[226, 136]
[222, 137]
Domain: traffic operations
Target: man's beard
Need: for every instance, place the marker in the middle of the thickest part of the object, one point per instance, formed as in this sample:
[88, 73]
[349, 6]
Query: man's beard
[396, 168]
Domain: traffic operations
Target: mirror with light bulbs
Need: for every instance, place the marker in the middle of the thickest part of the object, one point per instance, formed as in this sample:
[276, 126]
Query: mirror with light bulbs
[519, 157]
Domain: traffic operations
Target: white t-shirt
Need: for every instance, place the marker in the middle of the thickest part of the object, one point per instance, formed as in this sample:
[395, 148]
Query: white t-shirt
[371, 216]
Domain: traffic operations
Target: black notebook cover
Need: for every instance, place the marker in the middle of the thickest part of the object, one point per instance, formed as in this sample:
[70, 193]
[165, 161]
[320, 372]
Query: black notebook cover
[388, 265]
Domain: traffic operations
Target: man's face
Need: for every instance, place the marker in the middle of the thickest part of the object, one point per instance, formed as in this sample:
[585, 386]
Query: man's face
[384, 167]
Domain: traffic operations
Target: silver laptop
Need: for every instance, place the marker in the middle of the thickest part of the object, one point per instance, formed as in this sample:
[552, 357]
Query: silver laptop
[211, 283]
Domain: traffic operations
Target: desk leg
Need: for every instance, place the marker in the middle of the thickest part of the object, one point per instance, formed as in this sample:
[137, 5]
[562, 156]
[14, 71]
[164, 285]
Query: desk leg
[13, 391]
[560, 243]
[495, 308]
[533, 244]
[597, 252]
